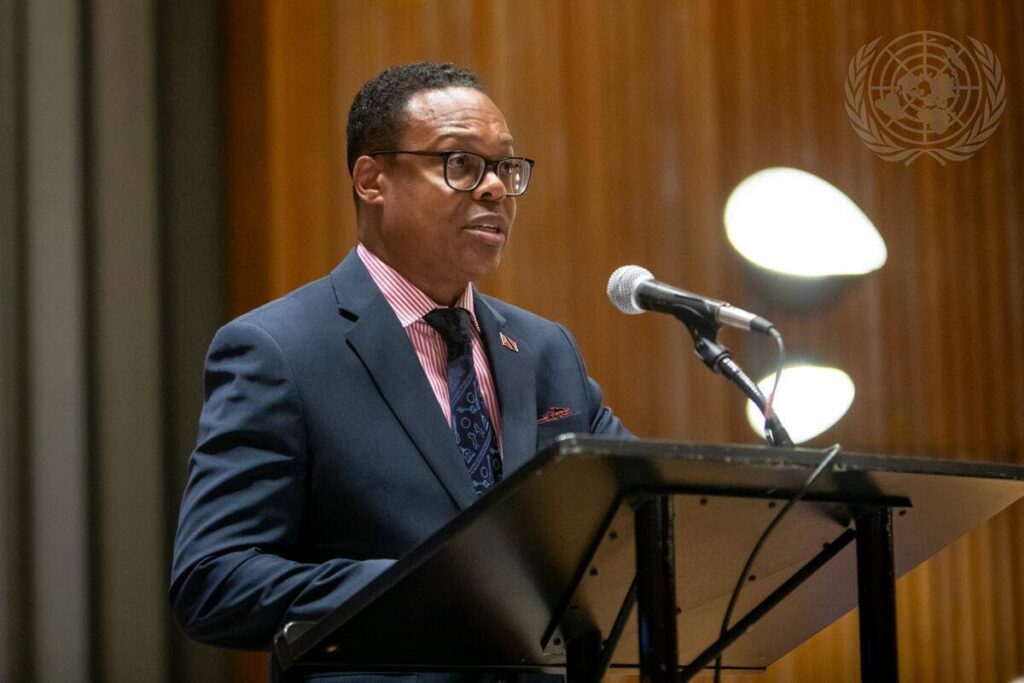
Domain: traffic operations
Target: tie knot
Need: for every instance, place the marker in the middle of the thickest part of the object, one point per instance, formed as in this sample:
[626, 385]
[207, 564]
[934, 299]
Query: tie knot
[454, 326]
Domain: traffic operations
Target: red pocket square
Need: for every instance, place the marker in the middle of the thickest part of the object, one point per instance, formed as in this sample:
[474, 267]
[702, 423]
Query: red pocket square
[554, 414]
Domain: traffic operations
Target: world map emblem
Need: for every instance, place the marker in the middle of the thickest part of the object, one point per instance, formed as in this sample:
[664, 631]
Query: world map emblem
[925, 94]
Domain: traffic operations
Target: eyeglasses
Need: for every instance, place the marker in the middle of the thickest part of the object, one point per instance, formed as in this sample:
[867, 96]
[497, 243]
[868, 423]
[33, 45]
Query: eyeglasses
[464, 171]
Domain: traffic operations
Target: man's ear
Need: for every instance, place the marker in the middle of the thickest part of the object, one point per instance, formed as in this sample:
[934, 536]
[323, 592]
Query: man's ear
[366, 179]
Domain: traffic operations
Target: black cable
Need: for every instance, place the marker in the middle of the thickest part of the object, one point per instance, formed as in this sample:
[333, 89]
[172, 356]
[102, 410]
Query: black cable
[830, 455]
[768, 410]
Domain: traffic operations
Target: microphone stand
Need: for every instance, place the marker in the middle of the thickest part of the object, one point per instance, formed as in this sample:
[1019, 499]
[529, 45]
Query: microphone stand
[719, 359]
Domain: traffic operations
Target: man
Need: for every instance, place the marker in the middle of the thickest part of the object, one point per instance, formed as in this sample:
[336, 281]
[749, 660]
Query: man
[348, 421]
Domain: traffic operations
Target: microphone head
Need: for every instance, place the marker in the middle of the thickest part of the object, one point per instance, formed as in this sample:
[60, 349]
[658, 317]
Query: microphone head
[622, 286]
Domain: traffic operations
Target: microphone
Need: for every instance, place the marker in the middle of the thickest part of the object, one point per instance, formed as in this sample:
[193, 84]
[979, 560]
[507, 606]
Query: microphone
[633, 290]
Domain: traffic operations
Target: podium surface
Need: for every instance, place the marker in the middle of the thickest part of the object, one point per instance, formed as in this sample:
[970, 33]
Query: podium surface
[548, 554]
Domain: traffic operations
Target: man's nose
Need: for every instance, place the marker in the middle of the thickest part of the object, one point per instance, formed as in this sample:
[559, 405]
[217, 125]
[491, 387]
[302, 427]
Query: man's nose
[491, 188]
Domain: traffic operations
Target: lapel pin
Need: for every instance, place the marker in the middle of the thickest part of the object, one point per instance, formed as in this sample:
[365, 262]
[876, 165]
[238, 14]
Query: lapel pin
[508, 342]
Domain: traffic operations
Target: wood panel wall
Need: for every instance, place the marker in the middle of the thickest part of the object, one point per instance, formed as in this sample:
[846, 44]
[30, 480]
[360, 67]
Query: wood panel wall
[643, 116]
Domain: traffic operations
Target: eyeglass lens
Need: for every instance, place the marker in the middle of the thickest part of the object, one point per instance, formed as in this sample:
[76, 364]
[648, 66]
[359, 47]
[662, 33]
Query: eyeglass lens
[465, 170]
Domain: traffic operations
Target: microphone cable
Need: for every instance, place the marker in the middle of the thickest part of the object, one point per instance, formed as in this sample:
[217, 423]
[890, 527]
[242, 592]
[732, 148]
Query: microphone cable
[769, 410]
[830, 455]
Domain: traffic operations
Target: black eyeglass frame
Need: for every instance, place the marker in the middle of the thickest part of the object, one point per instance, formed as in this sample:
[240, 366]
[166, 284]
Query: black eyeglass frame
[489, 165]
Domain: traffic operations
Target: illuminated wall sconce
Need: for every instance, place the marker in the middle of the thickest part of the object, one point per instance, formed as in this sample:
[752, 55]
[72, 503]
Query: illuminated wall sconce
[794, 223]
[808, 241]
[811, 398]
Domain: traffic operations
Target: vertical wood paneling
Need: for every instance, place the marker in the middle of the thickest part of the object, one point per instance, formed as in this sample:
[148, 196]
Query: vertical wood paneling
[643, 116]
[247, 155]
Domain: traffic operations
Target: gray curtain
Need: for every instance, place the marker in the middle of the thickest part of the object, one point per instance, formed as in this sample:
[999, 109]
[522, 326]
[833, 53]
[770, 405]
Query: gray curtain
[111, 284]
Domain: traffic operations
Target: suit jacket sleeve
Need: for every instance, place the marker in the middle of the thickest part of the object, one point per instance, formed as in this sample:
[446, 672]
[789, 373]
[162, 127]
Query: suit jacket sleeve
[238, 573]
[603, 421]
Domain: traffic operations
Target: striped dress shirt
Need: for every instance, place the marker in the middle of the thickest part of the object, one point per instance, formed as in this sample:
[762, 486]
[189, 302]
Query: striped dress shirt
[410, 305]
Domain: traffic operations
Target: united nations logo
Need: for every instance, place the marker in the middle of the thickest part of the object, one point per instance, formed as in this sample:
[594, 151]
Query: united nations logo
[924, 93]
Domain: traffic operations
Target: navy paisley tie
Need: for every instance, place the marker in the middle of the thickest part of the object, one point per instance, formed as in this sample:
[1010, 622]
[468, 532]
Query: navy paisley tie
[474, 433]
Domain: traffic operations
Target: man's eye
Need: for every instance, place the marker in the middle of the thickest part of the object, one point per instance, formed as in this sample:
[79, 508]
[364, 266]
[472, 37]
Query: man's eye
[511, 167]
[459, 161]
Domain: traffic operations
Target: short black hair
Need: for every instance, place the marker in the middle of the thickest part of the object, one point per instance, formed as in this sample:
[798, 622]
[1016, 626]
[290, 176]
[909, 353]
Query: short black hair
[378, 111]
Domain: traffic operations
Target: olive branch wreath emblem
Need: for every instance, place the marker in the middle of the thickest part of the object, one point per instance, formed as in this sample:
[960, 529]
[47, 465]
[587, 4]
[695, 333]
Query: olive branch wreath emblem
[881, 142]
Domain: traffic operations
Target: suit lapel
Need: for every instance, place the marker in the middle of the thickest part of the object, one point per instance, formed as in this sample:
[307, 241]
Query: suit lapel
[384, 348]
[514, 380]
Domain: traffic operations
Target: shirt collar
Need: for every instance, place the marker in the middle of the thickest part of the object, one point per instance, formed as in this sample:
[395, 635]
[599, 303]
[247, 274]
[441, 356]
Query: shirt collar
[406, 299]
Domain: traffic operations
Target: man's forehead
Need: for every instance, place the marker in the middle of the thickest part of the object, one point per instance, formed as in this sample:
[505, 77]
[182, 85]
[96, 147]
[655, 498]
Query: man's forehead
[463, 112]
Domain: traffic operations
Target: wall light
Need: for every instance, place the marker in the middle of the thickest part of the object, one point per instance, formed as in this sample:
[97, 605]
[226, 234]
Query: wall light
[811, 399]
[793, 222]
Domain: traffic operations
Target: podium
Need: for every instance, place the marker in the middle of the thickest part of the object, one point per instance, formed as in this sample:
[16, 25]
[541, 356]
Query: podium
[543, 572]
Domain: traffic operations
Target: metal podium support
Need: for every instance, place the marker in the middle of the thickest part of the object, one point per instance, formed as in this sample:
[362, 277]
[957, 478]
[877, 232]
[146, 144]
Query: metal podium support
[656, 581]
[876, 590]
[656, 590]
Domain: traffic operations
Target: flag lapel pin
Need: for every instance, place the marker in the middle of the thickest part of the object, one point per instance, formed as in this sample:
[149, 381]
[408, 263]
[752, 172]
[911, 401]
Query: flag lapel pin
[508, 342]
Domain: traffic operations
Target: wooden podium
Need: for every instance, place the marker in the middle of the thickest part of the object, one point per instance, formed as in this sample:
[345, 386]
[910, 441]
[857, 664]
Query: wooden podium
[543, 572]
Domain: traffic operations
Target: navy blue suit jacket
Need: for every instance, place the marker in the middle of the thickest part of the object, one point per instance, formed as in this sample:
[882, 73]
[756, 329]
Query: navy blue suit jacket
[323, 454]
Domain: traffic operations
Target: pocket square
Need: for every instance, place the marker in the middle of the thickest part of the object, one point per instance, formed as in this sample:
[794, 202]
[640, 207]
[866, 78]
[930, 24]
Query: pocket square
[554, 413]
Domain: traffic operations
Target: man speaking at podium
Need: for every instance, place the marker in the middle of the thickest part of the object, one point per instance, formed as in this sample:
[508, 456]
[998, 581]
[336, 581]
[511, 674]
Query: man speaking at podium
[348, 421]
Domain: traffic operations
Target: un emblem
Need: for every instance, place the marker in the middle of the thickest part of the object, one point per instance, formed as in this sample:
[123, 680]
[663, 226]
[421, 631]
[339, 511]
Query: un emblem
[925, 93]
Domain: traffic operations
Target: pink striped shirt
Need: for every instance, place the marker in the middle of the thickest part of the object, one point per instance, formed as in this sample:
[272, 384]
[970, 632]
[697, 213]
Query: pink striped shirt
[410, 305]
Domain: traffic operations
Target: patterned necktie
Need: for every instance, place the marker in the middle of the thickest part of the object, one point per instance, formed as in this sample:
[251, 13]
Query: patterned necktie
[474, 434]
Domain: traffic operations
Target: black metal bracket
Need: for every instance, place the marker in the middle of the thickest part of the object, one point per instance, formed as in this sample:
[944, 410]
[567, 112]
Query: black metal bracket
[876, 592]
[766, 605]
[615, 635]
[656, 590]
